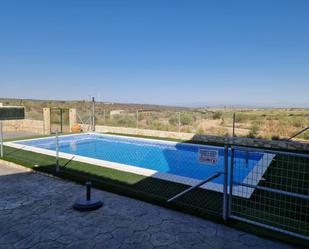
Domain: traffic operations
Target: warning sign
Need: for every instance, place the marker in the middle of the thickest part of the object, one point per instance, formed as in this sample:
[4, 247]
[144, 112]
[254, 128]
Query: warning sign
[208, 156]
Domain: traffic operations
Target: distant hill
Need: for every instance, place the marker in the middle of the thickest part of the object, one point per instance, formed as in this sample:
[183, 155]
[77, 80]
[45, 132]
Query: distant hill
[35, 103]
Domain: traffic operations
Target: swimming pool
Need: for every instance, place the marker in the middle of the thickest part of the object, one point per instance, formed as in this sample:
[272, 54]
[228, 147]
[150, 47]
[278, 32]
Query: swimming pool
[178, 162]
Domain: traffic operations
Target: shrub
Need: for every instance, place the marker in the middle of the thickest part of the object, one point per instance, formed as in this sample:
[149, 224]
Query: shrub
[187, 129]
[217, 115]
[157, 125]
[254, 130]
[241, 118]
[186, 119]
[222, 121]
[124, 120]
[173, 120]
[298, 122]
[306, 135]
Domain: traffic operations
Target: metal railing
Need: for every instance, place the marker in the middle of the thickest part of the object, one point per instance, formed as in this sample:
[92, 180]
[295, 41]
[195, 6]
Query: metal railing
[263, 187]
[298, 133]
[275, 193]
[209, 179]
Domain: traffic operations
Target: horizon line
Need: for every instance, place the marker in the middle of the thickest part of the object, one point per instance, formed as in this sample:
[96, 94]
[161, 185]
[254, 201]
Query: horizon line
[184, 105]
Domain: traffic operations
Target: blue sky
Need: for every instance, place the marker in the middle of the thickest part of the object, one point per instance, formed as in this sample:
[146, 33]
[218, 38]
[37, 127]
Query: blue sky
[161, 51]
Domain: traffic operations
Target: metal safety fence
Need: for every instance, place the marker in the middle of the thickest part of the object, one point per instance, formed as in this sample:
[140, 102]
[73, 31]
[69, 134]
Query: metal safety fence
[271, 124]
[273, 193]
[268, 188]
[267, 124]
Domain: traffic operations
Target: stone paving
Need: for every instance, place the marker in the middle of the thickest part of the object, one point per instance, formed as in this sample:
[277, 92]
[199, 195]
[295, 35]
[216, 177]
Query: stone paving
[35, 212]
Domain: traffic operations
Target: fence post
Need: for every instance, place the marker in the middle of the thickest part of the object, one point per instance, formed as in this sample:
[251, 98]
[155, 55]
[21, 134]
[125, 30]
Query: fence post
[1, 138]
[57, 152]
[225, 181]
[61, 120]
[93, 114]
[46, 121]
[234, 116]
[231, 181]
[137, 119]
[179, 122]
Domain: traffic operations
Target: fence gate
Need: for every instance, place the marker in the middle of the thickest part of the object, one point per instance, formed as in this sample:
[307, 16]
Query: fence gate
[59, 119]
[270, 189]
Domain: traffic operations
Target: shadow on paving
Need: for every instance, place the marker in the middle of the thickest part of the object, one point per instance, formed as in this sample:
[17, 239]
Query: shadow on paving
[199, 202]
[36, 212]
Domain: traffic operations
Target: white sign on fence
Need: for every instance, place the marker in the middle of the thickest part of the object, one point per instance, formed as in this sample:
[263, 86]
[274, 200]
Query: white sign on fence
[208, 156]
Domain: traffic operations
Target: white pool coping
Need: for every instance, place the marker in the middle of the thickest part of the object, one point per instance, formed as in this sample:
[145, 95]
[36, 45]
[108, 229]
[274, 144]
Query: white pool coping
[123, 137]
[241, 191]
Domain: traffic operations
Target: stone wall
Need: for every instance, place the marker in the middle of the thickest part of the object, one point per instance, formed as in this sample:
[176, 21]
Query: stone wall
[40, 127]
[144, 132]
[274, 144]
[26, 125]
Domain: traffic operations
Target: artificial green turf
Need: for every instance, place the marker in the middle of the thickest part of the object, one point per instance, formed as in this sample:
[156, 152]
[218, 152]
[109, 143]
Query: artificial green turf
[199, 202]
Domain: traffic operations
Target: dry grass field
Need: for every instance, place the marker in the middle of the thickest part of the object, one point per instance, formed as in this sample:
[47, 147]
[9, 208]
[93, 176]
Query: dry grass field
[269, 123]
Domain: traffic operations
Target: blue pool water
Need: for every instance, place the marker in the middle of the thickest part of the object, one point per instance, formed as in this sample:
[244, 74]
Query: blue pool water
[174, 158]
